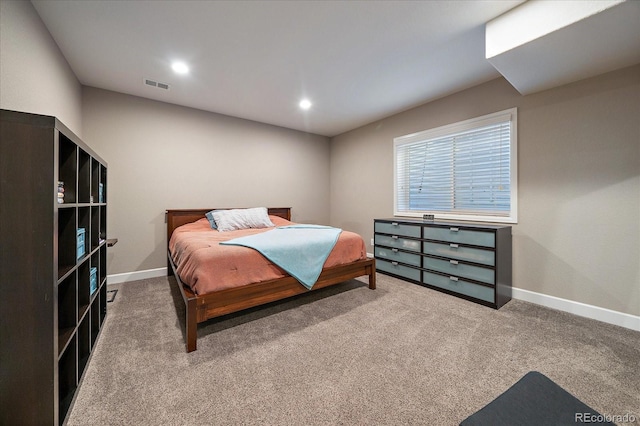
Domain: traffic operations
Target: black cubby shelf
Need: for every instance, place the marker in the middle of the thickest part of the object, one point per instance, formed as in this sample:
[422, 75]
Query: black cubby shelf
[84, 344]
[60, 261]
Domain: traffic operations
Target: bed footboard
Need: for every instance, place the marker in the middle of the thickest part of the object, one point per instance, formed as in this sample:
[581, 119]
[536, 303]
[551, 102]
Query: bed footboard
[202, 308]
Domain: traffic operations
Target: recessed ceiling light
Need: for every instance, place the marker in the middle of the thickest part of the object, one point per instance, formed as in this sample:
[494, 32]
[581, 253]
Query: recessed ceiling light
[305, 104]
[180, 67]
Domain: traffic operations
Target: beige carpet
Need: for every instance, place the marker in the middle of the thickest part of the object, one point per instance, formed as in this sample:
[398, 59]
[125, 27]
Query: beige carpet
[401, 354]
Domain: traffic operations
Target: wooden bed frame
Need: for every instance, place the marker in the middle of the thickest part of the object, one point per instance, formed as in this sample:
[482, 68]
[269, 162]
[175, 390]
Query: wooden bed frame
[200, 308]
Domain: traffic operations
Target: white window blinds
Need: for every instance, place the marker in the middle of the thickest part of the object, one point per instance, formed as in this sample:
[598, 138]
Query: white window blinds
[463, 171]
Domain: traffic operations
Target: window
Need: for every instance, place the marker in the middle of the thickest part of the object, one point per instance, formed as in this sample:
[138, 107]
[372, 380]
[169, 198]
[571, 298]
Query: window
[462, 171]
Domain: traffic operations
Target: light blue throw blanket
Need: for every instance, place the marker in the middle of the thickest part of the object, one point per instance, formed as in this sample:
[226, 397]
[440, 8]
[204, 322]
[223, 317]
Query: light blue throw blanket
[301, 250]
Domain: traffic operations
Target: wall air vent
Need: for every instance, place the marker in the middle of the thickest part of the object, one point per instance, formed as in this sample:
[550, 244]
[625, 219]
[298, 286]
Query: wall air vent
[153, 83]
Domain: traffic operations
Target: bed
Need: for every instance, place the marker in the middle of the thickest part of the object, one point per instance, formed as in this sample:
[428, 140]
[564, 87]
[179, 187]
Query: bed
[205, 302]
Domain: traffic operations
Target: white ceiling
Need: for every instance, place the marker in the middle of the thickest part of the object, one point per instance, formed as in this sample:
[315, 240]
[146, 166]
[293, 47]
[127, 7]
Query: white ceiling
[357, 61]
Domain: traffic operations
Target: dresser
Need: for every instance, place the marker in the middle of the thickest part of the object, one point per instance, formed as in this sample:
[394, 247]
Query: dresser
[465, 260]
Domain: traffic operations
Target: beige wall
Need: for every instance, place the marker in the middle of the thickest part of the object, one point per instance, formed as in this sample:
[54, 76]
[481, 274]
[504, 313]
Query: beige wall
[164, 156]
[578, 234]
[34, 75]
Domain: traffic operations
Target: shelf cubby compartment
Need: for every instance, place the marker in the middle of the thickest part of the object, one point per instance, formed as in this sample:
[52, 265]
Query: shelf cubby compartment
[103, 303]
[94, 274]
[67, 319]
[84, 344]
[67, 240]
[84, 177]
[67, 167]
[95, 320]
[83, 289]
[94, 238]
[84, 221]
[103, 183]
[67, 378]
[95, 181]
[102, 270]
[103, 223]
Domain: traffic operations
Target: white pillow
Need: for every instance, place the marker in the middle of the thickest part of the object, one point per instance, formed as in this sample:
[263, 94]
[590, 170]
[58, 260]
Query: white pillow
[230, 220]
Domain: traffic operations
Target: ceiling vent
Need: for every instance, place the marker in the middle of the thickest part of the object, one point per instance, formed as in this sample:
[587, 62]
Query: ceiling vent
[153, 83]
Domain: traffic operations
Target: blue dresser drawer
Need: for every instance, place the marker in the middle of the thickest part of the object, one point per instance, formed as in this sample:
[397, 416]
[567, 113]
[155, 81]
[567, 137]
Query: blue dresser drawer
[454, 234]
[393, 255]
[400, 270]
[453, 267]
[485, 257]
[459, 286]
[395, 228]
[397, 242]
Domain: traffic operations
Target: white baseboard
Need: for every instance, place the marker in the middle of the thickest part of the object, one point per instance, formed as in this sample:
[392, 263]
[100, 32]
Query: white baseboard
[581, 309]
[137, 275]
[577, 308]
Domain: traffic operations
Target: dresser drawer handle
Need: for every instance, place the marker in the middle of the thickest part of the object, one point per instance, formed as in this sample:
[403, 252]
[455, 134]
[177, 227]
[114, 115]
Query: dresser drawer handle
[395, 250]
[394, 224]
[394, 263]
[395, 237]
[454, 229]
[453, 245]
[454, 279]
[453, 262]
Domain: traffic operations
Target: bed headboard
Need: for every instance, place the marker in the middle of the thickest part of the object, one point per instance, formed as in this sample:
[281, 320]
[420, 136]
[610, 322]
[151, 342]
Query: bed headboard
[179, 217]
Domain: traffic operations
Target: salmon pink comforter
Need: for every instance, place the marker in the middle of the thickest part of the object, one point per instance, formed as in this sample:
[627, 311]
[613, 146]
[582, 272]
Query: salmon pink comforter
[206, 266]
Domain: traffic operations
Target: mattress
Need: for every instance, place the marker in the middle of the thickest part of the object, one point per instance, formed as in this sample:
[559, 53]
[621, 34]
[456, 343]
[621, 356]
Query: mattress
[206, 266]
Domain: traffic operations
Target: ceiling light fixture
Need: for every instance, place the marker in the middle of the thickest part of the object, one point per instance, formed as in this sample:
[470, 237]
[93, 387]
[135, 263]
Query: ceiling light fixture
[305, 104]
[180, 67]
